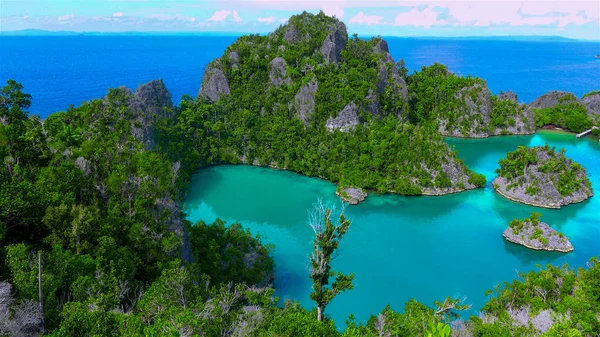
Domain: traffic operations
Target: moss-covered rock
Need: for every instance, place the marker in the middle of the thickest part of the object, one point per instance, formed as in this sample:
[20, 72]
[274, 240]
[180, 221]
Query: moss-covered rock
[542, 177]
[351, 195]
[534, 234]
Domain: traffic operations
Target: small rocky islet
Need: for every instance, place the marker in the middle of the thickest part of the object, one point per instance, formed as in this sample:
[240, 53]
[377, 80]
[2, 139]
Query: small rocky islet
[540, 176]
[534, 234]
[351, 195]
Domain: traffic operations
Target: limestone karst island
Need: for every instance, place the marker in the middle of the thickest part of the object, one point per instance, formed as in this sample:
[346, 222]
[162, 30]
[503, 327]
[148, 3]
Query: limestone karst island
[230, 169]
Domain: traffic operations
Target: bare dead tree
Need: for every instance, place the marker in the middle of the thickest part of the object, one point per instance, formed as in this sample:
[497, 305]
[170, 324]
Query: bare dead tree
[325, 244]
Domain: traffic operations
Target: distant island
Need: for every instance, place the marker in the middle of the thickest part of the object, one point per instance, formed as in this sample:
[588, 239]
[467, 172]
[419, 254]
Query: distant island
[43, 32]
[534, 234]
[540, 176]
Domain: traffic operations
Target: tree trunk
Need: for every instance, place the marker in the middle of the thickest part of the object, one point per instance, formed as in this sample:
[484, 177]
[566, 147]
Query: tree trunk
[319, 313]
[41, 293]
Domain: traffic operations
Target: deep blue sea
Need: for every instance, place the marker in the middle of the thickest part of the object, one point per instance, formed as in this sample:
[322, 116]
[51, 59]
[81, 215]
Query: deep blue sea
[63, 70]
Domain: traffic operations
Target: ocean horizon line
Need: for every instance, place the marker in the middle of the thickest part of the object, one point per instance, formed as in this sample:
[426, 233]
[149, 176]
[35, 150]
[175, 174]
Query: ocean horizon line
[528, 38]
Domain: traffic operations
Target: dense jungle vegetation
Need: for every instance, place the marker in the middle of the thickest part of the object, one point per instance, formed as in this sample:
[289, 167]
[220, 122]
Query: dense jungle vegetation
[567, 176]
[93, 242]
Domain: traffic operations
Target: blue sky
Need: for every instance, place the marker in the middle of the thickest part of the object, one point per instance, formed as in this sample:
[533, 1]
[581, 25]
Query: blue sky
[574, 19]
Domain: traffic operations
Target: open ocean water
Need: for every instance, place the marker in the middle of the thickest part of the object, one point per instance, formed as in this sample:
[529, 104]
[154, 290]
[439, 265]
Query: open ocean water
[63, 70]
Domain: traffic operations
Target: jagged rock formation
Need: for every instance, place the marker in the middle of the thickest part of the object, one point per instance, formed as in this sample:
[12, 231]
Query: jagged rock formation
[551, 99]
[508, 96]
[277, 72]
[475, 112]
[388, 75]
[334, 43]
[345, 120]
[592, 103]
[351, 195]
[537, 235]
[296, 83]
[509, 117]
[214, 84]
[234, 59]
[451, 172]
[151, 101]
[304, 101]
[373, 106]
[541, 177]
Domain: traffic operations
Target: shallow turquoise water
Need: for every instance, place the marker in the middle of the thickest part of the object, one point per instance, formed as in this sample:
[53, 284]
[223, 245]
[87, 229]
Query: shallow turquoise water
[401, 247]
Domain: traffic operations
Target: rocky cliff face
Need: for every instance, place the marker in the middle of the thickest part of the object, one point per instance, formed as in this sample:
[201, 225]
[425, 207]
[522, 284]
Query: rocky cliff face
[334, 43]
[592, 104]
[538, 236]
[351, 195]
[214, 83]
[522, 121]
[346, 119]
[549, 180]
[277, 73]
[304, 101]
[151, 101]
[551, 99]
[508, 96]
[473, 117]
[388, 75]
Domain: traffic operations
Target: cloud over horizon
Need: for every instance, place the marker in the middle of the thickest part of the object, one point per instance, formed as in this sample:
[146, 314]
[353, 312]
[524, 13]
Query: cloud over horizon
[575, 19]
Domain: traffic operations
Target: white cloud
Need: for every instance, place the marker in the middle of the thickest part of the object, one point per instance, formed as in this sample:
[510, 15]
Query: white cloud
[332, 9]
[361, 18]
[117, 14]
[67, 17]
[270, 19]
[223, 15]
[425, 18]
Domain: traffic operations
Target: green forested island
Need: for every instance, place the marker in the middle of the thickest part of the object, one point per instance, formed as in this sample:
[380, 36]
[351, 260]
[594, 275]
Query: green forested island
[534, 234]
[94, 243]
[539, 176]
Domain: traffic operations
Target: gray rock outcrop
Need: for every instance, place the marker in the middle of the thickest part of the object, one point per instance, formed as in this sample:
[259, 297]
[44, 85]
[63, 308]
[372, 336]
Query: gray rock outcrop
[151, 101]
[537, 188]
[346, 119]
[592, 104]
[456, 174]
[234, 59]
[473, 117]
[352, 195]
[373, 103]
[524, 122]
[538, 236]
[508, 96]
[304, 101]
[388, 75]
[291, 34]
[334, 43]
[214, 84]
[551, 99]
[277, 73]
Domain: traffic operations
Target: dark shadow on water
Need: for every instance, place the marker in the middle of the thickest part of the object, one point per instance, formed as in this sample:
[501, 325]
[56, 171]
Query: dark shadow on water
[509, 210]
[529, 256]
[422, 207]
[203, 180]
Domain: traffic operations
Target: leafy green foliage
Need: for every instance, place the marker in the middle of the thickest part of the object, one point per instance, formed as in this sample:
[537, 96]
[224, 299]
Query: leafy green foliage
[325, 243]
[564, 291]
[230, 254]
[569, 114]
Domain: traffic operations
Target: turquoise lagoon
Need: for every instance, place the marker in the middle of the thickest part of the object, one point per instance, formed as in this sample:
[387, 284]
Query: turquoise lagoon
[401, 247]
